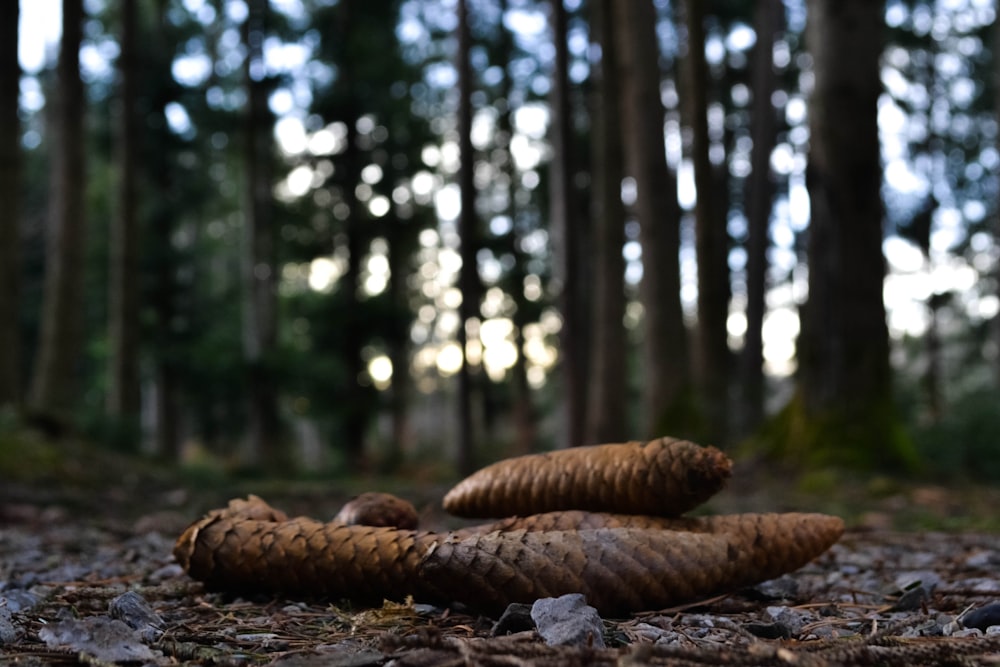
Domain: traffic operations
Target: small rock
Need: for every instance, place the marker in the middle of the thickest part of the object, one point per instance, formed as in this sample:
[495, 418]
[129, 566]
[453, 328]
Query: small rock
[103, 638]
[791, 619]
[768, 630]
[135, 612]
[168, 571]
[926, 579]
[971, 632]
[984, 617]
[568, 621]
[651, 633]
[982, 559]
[782, 588]
[912, 599]
[516, 618]
[9, 633]
[17, 600]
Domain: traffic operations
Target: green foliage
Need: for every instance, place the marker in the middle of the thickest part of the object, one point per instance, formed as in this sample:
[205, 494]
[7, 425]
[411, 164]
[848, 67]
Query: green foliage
[965, 441]
[685, 418]
[871, 439]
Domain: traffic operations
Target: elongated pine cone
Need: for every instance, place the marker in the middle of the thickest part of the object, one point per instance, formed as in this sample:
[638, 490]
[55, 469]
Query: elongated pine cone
[622, 561]
[664, 477]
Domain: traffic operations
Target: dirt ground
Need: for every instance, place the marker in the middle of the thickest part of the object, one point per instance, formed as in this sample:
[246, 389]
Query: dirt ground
[87, 577]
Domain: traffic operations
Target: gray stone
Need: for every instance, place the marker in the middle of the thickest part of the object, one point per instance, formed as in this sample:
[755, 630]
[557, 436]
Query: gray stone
[568, 621]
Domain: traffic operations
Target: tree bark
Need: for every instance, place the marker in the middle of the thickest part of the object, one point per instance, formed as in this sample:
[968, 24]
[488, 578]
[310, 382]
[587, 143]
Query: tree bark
[10, 194]
[55, 383]
[711, 243]
[844, 375]
[123, 391]
[567, 240]
[768, 20]
[664, 357]
[606, 421]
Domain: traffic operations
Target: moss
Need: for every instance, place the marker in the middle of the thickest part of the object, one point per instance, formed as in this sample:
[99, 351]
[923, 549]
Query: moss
[684, 418]
[871, 439]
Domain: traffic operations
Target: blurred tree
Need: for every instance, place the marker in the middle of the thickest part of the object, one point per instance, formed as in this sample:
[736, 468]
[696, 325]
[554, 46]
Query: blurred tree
[10, 194]
[606, 419]
[123, 279]
[844, 383]
[711, 350]
[938, 86]
[768, 23]
[523, 408]
[56, 380]
[370, 97]
[995, 329]
[664, 358]
[569, 236]
[467, 230]
[260, 270]
[161, 296]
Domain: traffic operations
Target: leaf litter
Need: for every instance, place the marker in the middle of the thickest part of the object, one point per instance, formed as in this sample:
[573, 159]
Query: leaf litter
[86, 588]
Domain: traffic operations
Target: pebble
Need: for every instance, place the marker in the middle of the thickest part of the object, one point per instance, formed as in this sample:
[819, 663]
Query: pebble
[516, 618]
[18, 600]
[568, 621]
[102, 638]
[783, 588]
[132, 609]
[984, 617]
[9, 633]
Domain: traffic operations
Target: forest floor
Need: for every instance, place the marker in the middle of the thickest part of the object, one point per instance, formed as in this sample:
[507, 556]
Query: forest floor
[85, 553]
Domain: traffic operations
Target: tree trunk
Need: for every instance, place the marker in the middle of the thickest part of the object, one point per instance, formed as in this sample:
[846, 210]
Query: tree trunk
[467, 232]
[399, 356]
[607, 387]
[123, 391]
[259, 262]
[768, 21]
[55, 384]
[10, 194]
[664, 358]
[711, 245]
[844, 376]
[567, 241]
[161, 257]
[356, 415]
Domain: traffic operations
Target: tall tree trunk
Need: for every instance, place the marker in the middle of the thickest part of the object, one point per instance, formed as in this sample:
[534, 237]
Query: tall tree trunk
[55, 383]
[162, 256]
[356, 416]
[10, 194]
[399, 356]
[664, 358]
[467, 232]
[123, 391]
[768, 21]
[711, 245]
[259, 262]
[844, 376]
[607, 388]
[567, 240]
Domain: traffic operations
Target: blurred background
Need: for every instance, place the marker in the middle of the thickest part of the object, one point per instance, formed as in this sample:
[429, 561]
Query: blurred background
[338, 235]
